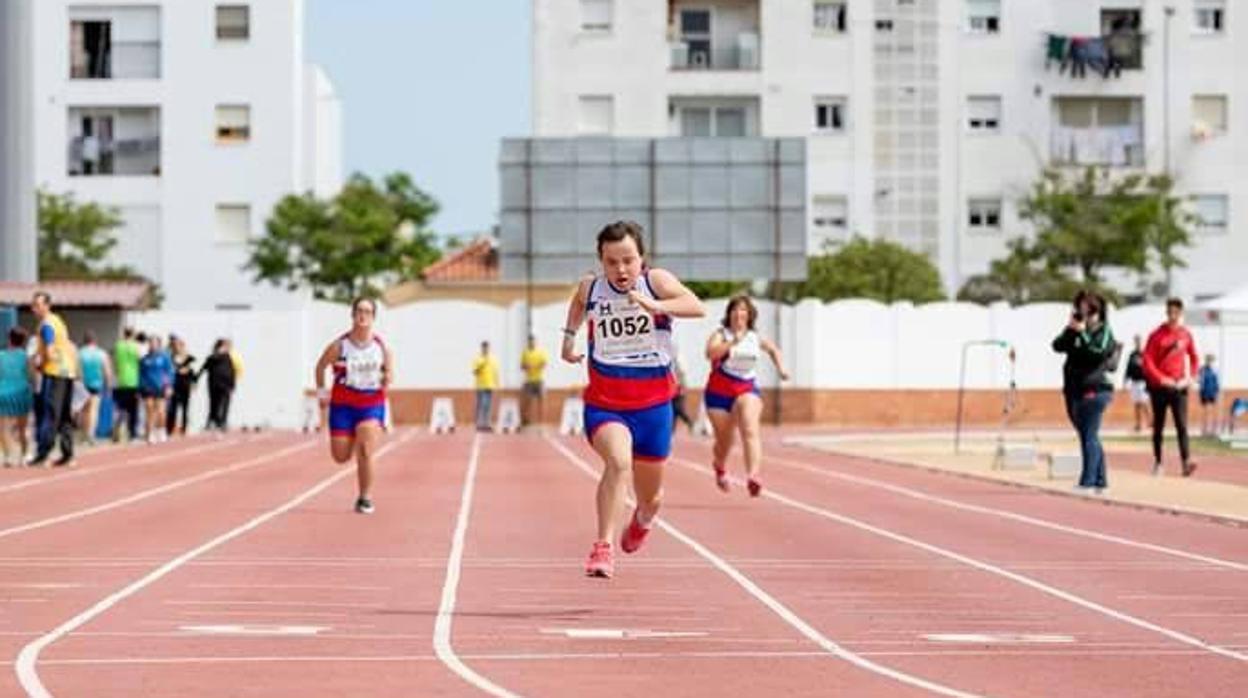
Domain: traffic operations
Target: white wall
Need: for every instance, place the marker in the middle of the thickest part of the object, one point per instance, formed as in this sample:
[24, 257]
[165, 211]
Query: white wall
[322, 138]
[851, 344]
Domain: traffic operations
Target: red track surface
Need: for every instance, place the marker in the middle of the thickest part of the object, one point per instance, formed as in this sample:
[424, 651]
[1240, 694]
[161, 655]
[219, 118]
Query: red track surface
[237, 568]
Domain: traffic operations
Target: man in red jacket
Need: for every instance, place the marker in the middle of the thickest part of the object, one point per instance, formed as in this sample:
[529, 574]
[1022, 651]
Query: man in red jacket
[1170, 362]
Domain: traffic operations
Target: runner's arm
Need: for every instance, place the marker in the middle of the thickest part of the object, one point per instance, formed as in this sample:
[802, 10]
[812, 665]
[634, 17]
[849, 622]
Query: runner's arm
[776, 357]
[717, 346]
[674, 298]
[326, 360]
[575, 318]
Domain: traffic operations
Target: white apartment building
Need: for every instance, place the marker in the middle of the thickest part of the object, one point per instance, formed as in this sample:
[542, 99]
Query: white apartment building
[193, 118]
[926, 120]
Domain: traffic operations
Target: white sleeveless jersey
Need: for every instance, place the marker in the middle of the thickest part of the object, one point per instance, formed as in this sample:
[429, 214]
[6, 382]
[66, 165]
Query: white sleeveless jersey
[360, 367]
[622, 333]
[742, 360]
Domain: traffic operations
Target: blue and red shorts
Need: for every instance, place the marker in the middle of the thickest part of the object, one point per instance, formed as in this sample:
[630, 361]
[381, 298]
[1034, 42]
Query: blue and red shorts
[651, 428]
[723, 389]
[349, 408]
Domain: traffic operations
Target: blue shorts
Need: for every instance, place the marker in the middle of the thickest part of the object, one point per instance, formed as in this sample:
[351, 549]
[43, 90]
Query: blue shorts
[651, 428]
[715, 401]
[343, 419]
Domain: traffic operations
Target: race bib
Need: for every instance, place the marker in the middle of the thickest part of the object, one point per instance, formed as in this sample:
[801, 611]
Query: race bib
[364, 371]
[623, 329]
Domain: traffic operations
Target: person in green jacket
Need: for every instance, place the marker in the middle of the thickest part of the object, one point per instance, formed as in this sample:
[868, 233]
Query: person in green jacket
[1087, 384]
[126, 354]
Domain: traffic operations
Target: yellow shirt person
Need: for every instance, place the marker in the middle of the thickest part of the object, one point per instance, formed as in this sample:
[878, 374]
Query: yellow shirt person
[533, 362]
[485, 376]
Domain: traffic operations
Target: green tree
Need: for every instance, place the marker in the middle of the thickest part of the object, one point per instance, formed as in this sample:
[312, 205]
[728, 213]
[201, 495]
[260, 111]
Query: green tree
[1092, 220]
[365, 238]
[75, 240]
[876, 269]
[1022, 276]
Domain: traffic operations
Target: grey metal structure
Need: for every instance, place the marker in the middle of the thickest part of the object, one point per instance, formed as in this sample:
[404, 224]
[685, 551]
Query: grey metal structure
[17, 181]
[714, 208]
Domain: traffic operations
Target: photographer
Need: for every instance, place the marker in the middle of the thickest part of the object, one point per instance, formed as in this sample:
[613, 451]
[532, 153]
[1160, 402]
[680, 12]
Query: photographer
[1091, 358]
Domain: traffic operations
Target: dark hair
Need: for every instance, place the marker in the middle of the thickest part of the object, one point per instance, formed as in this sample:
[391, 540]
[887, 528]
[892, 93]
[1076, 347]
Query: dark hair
[619, 230]
[732, 305]
[140, 337]
[88, 337]
[1100, 306]
[355, 304]
[18, 337]
[43, 295]
[217, 346]
[1176, 303]
[128, 333]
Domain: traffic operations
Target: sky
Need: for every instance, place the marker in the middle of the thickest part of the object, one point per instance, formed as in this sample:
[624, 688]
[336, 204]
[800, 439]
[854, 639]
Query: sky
[428, 87]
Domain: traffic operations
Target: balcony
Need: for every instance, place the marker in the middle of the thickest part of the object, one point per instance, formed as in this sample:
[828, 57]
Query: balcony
[114, 141]
[723, 36]
[114, 43]
[1105, 132]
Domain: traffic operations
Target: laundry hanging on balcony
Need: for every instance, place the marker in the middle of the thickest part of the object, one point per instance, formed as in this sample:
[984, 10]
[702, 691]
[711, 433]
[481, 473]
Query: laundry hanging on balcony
[1106, 55]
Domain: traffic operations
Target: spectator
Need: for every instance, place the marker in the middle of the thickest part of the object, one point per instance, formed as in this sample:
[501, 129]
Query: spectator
[97, 376]
[126, 354]
[1210, 391]
[1091, 358]
[155, 387]
[16, 398]
[533, 363]
[57, 360]
[485, 374]
[220, 370]
[1170, 361]
[1136, 384]
[183, 382]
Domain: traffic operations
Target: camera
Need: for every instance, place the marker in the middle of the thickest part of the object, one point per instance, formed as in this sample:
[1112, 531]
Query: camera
[1077, 316]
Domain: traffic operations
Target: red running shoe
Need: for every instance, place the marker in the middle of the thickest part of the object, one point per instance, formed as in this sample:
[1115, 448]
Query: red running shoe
[633, 536]
[756, 487]
[600, 563]
[721, 477]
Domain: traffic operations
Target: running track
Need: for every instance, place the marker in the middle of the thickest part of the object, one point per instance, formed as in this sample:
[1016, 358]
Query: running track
[236, 568]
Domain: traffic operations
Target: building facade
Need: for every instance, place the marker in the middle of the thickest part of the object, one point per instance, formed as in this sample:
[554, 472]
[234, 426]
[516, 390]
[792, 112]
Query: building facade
[925, 120]
[192, 118]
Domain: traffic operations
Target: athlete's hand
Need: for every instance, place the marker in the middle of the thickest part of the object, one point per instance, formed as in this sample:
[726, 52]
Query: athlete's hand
[569, 353]
[647, 303]
[784, 375]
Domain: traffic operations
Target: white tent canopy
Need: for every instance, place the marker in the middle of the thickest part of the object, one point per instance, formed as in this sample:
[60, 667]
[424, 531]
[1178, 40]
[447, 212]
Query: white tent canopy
[1230, 309]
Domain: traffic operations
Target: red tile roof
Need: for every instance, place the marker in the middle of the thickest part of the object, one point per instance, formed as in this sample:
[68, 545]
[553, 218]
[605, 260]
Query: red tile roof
[477, 261]
[79, 294]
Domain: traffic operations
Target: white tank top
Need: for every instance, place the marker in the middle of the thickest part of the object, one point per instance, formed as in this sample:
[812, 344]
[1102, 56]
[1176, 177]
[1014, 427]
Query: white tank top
[361, 367]
[622, 333]
[742, 360]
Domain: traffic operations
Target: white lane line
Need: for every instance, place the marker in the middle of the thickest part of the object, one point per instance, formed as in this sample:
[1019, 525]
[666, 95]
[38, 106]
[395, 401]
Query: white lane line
[151, 492]
[771, 602]
[1009, 515]
[86, 469]
[992, 569]
[25, 666]
[446, 609]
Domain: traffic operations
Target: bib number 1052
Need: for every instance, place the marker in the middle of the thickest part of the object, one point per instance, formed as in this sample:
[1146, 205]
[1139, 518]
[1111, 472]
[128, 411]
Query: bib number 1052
[621, 327]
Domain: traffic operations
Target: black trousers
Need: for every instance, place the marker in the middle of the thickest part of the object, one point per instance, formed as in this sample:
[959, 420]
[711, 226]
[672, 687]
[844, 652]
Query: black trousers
[179, 405]
[1176, 401]
[58, 394]
[218, 408]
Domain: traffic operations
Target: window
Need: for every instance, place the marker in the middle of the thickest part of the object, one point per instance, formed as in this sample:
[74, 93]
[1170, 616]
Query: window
[114, 42]
[1210, 16]
[233, 22]
[695, 34]
[983, 16]
[90, 49]
[830, 17]
[1208, 115]
[829, 220]
[983, 114]
[596, 116]
[1098, 131]
[595, 15]
[1211, 210]
[830, 114]
[233, 223]
[714, 121]
[883, 25]
[984, 215]
[233, 123]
